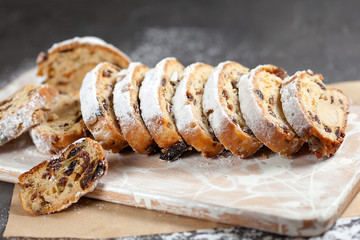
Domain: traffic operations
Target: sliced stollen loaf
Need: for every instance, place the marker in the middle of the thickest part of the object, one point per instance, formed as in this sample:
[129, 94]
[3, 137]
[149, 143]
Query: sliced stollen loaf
[221, 106]
[56, 184]
[25, 109]
[63, 126]
[259, 94]
[187, 108]
[127, 108]
[317, 113]
[96, 98]
[66, 63]
[155, 95]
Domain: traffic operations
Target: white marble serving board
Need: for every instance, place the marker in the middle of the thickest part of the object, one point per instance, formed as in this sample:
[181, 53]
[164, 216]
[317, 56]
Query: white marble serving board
[302, 196]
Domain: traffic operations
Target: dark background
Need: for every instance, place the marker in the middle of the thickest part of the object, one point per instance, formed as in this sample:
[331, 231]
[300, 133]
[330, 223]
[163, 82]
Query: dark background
[321, 35]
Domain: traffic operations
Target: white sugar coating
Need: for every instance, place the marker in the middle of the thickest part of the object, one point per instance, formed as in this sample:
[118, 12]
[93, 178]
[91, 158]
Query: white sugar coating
[42, 143]
[252, 113]
[13, 124]
[291, 106]
[149, 93]
[184, 116]
[123, 107]
[211, 100]
[86, 40]
[89, 103]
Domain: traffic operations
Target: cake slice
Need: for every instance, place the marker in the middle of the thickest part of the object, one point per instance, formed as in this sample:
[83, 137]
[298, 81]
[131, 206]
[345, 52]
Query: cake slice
[221, 106]
[259, 94]
[187, 108]
[66, 63]
[63, 126]
[127, 108]
[25, 109]
[54, 185]
[156, 93]
[96, 98]
[317, 113]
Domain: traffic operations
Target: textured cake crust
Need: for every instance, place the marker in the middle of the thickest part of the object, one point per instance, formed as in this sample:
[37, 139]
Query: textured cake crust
[55, 184]
[67, 62]
[262, 110]
[221, 105]
[127, 108]
[306, 120]
[155, 95]
[63, 126]
[187, 108]
[25, 109]
[96, 98]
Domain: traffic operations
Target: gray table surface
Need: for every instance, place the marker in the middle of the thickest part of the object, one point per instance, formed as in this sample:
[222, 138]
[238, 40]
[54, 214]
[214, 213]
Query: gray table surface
[321, 35]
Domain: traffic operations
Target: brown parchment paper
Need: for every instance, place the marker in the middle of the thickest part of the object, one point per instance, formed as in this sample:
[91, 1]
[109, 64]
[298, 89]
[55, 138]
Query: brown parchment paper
[97, 219]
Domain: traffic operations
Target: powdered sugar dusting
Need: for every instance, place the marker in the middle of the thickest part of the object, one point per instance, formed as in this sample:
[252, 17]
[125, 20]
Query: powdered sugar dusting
[183, 113]
[292, 107]
[88, 101]
[123, 107]
[14, 123]
[149, 94]
[211, 100]
[86, 40]
[252, 112]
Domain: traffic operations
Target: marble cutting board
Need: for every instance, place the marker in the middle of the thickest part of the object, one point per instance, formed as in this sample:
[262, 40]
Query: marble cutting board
[302, 196]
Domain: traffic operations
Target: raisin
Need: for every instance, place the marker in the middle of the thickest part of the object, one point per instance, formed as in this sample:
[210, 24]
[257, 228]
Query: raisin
[337, 133]
[100, 169]
[78, 119]
[327, 129]
[190, 96]
[209, 112]
[100, 113]
[317, 119]
[248, 131]
[234, 121]
[271, 100]
[199, 92]
[332, 99]
[85, 156]
[259, 93]
[234, 83]
[321, 86]
[163, 82]
[56, 167]
[46, 175]
[71, 168]
[341, 103]
[63, 181]
[44, 203]
[174, 152]
[34, 196]
[54, 161]
[271, 112]
[74, 151]
[105, 104]
[107, 73]
[88, 176]
[226, 94]
[285, 128]
[280, 72]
